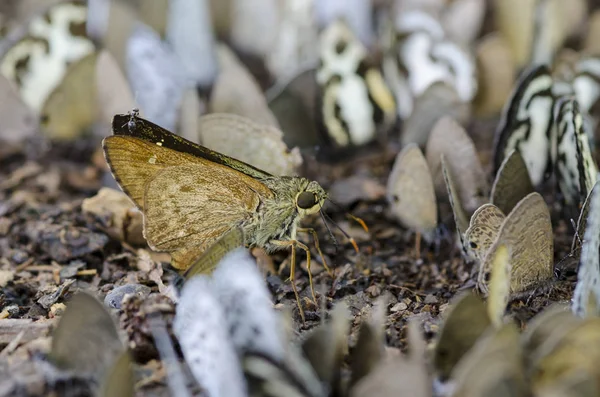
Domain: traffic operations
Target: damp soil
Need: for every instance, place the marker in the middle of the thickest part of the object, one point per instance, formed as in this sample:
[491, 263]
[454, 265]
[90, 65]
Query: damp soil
[50, 249]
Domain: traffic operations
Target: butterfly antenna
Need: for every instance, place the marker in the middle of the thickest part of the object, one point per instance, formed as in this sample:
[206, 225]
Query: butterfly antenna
[335, 242]
[352, 241]
[576, 231]
[354, 218]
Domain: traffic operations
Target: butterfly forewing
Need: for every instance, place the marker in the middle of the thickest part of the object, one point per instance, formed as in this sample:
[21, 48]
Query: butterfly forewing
[119, 380]
[450, 139]
[86, 338]
[512, 182]
[494, 366]
[411, 192]
[527, 232]
[465, 321]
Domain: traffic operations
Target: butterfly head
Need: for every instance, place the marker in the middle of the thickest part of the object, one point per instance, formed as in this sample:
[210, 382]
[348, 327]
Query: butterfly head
[311, 199]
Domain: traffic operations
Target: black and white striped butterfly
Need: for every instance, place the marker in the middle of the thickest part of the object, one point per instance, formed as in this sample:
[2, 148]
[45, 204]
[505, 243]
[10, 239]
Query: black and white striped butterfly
[355, 102]
[526, 123]
[574, 165]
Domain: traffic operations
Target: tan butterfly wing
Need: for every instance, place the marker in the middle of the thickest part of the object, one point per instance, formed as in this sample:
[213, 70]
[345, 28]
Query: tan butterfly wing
[254, 143]
[86, 338]
[483, 229]
[499, 286]
[326, 346]
[577, 350]
[527, 232]
[411, 193]
[495, 74]
[578, 384]
[237, 91]
[438, 100]
[493, 367]
[134, 162]
[72, 107]
[512, 182]
[399, 376]
[119, 380]
[121, 21]
[154, 14]
[212, 256]
[460, 216]
[192, 205]
[114, 93]
[369, 349]
[465, 322]
[555, 320]
[450, 139]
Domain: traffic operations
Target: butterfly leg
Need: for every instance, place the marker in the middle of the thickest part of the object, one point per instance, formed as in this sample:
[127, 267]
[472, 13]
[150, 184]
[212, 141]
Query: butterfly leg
[293, 244]
[313, 232]
[418, 245]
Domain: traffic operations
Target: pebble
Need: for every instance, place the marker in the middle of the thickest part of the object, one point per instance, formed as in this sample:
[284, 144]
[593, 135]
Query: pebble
[114, 298]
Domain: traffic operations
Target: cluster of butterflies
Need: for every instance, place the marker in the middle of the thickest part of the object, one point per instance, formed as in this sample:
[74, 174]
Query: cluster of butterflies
[108, 57]
[537, 135]
[235, 343]
[478, 353]
[75, 64]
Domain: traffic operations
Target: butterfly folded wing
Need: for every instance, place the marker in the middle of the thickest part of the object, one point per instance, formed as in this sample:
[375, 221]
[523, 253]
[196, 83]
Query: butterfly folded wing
[134, 162]
[527, 231]
[187, 208]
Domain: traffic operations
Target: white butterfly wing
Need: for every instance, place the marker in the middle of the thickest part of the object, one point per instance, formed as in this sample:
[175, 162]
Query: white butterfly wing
[201, 329]
[588, 275]
[248, 310]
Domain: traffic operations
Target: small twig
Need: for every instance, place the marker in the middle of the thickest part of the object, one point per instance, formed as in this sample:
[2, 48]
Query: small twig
[87, 272]
[24, 265]
[12, 345]
[41, 268]
[419, 293]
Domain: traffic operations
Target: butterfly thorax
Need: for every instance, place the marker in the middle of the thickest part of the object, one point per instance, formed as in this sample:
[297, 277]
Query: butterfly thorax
[278, 217]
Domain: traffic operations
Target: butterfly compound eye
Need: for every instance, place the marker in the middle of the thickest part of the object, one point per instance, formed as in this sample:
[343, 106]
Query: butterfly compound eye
[306, 200]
